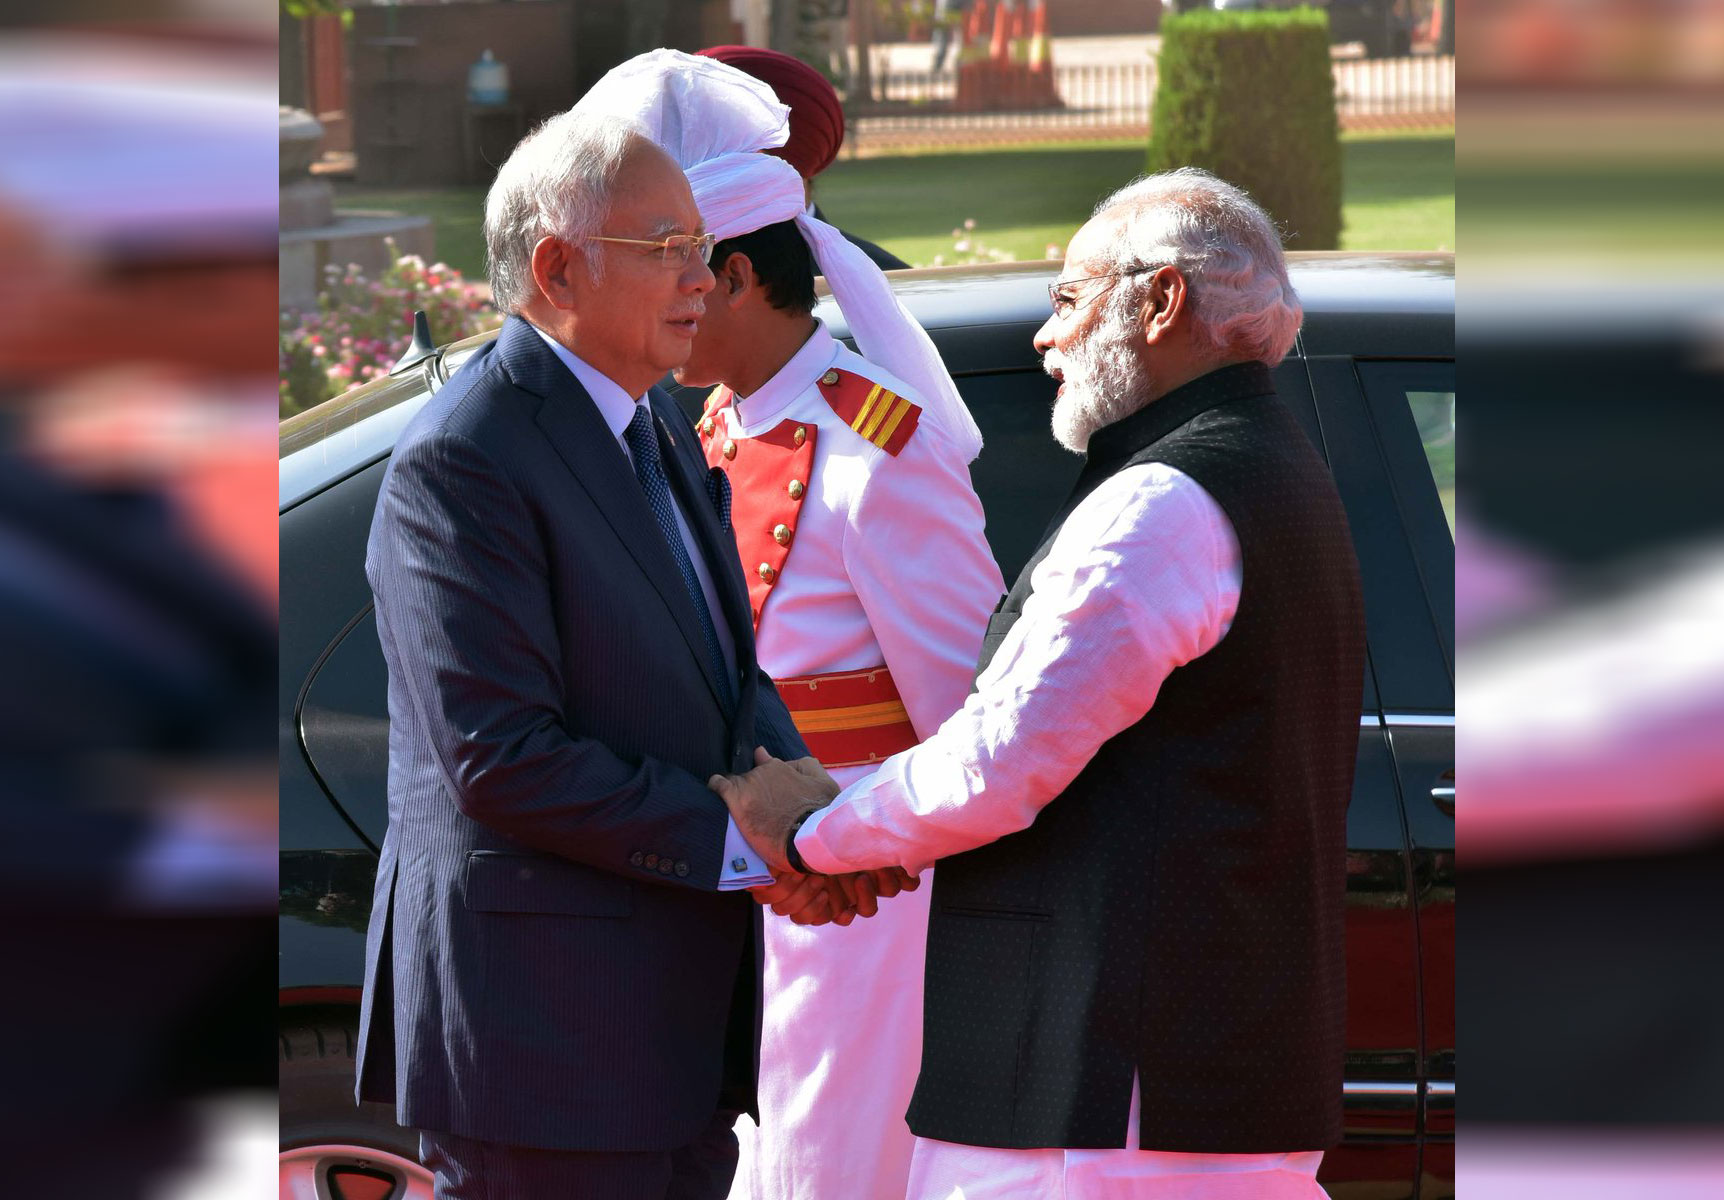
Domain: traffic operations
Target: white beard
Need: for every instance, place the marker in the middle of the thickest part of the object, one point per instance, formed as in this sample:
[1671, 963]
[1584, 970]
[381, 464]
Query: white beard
[1103, 383]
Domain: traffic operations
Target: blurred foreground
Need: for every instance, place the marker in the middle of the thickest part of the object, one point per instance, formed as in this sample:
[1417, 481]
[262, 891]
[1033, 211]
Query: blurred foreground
[137, 597]
[1590, 581]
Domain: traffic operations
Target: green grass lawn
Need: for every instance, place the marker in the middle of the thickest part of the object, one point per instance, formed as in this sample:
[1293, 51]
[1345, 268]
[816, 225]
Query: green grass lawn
[1399, 194]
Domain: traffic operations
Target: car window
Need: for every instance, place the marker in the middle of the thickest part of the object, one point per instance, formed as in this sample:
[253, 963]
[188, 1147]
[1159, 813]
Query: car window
[1434, 414]
[1413, 412]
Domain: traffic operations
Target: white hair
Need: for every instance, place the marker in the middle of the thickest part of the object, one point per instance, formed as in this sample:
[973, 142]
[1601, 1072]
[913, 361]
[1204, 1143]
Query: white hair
[1225, 246]
[557, 182]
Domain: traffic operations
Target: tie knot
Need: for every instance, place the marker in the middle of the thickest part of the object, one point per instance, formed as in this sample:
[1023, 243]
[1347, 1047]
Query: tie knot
[643, 439]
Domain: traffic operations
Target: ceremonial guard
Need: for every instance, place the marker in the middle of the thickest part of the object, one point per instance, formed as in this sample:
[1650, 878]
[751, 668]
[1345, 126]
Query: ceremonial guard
[870, 583]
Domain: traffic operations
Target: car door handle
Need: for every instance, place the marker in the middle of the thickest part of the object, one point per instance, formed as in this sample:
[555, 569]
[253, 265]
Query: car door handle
[1443, 794]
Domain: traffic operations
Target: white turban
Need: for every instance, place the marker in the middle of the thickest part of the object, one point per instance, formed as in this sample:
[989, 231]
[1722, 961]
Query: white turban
[714, 120]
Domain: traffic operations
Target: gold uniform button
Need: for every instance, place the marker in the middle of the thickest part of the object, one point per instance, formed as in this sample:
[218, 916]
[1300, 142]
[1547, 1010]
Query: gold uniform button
[767, 574]
[729, 449]
[781, 534]
[796, 489]
[706, 427]
[830, 378]
[800, 436]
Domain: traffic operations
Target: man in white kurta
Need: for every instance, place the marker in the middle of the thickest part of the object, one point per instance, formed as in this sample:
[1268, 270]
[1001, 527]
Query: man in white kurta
[870, 581]
[1143, 578]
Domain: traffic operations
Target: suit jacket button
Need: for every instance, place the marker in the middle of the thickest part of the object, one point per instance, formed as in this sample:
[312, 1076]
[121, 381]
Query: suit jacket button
[729, 449]
[651, 861]
[636, 859]
[665, 866]
[681, 869]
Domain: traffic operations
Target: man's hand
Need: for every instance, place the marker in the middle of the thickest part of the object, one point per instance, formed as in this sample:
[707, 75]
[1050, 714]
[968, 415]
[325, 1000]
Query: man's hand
[863, 890]
[805, 899]
[768, 800]
[838, 899]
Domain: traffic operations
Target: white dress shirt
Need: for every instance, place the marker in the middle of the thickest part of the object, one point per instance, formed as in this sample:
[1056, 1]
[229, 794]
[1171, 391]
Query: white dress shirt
[617, 408]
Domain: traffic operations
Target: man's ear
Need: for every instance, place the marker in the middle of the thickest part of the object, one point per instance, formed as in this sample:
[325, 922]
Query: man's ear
[555, 267]
[735, 279]
[1164, 307]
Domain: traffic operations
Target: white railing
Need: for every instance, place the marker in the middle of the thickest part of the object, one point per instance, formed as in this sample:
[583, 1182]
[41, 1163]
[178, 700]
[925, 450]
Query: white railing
[1115, 96]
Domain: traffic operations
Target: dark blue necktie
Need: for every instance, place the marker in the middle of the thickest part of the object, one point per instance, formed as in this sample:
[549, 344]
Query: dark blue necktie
[643, 445]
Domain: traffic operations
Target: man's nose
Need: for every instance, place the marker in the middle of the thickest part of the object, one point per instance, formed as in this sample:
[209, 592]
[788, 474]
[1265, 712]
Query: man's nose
[1044, 339]
[697, 276]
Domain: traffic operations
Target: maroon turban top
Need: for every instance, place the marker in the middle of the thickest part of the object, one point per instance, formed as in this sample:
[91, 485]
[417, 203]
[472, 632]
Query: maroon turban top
[816, 118]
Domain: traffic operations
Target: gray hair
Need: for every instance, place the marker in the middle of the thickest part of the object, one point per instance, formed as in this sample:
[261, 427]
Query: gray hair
[557, 182]
[1225, 246]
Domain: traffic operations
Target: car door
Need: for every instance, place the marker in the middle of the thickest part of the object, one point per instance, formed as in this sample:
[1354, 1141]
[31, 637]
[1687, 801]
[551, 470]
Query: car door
[1379, 1154]
[1371, 413]
[1412, 407]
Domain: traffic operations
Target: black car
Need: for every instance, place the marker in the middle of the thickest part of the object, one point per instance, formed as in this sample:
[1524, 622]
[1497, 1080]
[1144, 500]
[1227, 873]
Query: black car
[1371, 378]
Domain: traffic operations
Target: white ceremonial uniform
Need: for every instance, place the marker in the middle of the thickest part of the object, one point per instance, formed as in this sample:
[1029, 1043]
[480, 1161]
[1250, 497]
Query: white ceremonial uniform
[1143, 577]
[887, 566]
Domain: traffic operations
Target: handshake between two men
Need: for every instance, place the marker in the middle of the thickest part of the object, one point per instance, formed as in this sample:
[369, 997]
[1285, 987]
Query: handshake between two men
[769, 804]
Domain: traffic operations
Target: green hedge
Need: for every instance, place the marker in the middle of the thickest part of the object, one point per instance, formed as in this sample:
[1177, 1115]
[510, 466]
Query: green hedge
[1250, 97]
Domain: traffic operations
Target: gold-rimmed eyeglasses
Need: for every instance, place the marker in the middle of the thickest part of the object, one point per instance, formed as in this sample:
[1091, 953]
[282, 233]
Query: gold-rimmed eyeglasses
[675, 249]
[1064, 306]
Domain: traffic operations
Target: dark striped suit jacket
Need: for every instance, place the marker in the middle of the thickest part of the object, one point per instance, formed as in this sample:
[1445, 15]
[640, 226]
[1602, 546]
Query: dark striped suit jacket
[549, 962]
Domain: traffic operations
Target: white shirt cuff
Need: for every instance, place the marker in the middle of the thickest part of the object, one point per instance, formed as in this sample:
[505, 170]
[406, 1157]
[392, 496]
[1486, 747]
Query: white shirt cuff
[812, 849]
[743, 868]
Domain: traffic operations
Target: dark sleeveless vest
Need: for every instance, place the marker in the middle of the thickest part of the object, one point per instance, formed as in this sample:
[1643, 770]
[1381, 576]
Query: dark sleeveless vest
[1178, 909]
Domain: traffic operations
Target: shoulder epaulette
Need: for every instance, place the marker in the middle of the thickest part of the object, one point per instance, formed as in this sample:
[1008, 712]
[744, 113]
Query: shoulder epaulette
[715, 400]
[878, 414]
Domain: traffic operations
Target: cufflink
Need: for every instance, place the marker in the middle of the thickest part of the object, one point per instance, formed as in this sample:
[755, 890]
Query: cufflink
[739, 865]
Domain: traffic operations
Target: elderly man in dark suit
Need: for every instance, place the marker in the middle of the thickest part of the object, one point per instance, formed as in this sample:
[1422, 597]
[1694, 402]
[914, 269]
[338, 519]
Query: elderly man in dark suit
[560, 981]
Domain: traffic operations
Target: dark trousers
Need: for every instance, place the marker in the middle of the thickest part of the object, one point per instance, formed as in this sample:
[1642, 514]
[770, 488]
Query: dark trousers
[469, 1170]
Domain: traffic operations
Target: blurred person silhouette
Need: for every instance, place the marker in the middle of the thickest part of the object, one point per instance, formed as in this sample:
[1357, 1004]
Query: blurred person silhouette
[948, 29]
[136, 801]
[1590, 588]
[816, 123]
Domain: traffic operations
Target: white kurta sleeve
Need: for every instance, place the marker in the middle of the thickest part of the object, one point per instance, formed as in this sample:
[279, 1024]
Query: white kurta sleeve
[1143, 577]
[916, 551]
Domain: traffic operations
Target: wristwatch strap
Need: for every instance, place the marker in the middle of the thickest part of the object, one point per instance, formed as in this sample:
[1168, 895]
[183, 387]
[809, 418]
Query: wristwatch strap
[792, 855]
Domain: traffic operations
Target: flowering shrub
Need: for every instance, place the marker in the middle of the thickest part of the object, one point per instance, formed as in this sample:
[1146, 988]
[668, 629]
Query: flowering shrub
[363, 326]
[968, 248]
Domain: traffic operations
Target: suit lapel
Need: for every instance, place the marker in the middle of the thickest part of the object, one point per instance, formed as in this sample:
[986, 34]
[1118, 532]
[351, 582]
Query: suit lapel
[571, 422]
[685, 472]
